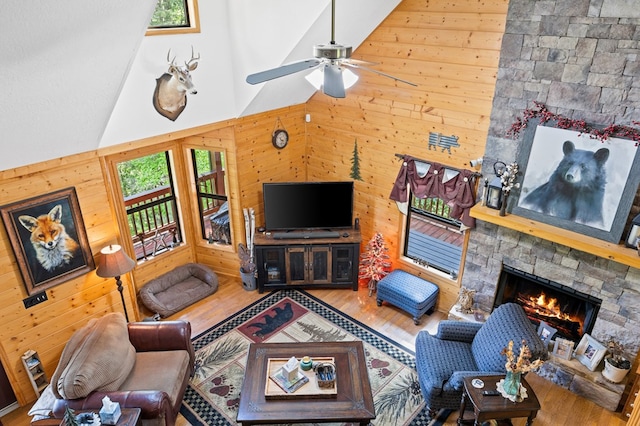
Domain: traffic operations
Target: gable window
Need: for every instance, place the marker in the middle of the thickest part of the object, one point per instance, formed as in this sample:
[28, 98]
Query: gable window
[175, 17]
[213, 205]
[150, 203]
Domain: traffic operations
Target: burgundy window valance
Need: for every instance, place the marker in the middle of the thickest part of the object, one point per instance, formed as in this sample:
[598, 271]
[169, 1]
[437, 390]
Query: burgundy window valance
[458, 192]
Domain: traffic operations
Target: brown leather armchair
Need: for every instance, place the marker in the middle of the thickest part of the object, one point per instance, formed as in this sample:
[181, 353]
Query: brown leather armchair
[157, 382]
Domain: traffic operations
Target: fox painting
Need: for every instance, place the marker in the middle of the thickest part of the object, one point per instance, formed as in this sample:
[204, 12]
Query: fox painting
[53, 246]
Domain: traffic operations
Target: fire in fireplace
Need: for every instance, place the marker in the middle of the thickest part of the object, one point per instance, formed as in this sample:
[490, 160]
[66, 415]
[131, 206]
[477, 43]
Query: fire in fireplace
[571, 312]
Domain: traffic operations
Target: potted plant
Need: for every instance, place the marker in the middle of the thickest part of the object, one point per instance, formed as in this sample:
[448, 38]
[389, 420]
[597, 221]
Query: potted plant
[616, 365]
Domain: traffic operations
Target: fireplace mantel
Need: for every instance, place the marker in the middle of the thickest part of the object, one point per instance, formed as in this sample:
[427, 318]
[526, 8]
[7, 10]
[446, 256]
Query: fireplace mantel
[614, 252]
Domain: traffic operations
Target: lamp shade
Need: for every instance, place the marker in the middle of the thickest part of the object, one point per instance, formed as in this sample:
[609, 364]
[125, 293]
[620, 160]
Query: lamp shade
[114, 262]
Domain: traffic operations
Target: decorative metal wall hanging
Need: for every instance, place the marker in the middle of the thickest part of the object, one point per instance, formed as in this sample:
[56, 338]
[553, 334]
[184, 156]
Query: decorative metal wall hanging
[438, 140]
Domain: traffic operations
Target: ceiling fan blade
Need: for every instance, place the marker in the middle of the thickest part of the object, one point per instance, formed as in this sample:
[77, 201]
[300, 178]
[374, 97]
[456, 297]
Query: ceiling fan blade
[358, 62]
[262, 76]
[378, 72]
[333, 85]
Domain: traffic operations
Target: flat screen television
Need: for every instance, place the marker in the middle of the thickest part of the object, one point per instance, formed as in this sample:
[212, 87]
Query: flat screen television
[307, 205]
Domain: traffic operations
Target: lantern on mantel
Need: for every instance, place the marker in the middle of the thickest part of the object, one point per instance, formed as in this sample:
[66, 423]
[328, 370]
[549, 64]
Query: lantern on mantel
[494, 193]
[494, 190]
[633, 239]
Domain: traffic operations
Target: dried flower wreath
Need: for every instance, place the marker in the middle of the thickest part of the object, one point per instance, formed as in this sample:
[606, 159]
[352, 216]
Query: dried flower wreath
[602, 134]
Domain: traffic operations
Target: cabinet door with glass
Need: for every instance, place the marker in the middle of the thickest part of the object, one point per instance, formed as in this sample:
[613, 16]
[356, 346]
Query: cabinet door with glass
[343, 267]
[271, 265]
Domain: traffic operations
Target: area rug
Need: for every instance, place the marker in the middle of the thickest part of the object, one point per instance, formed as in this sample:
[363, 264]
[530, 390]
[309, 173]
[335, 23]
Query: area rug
[213, 396]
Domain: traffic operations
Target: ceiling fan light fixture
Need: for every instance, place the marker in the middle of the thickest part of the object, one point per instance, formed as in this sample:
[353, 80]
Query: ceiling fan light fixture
[316, 78]
[349, 77]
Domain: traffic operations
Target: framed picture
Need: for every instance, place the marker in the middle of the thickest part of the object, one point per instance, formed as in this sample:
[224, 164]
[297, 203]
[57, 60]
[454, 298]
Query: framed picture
[546, 332]
[590, 352]
[49, 239]
[563, 348]
[576, 182]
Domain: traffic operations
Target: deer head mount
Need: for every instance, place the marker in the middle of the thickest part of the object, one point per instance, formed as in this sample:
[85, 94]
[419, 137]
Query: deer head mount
[170, 96]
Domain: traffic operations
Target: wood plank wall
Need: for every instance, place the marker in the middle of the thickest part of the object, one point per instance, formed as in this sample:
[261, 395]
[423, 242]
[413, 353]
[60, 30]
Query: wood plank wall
[251, 159]
[450, 50]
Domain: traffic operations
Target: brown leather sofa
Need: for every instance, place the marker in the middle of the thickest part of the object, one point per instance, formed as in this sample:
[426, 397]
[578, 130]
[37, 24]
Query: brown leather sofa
[156, 382]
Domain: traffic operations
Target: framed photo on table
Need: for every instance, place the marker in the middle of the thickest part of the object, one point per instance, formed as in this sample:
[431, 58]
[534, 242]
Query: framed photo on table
[546, 332]
[563, 348]
[590, 352]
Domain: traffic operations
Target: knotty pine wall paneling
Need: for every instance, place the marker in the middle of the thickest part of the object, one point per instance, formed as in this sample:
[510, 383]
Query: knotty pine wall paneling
[259, 161]
[47, 326]
[451, 51]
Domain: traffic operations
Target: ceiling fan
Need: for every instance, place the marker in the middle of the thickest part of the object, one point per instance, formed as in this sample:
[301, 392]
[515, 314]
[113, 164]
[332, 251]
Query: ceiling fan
[332, 59]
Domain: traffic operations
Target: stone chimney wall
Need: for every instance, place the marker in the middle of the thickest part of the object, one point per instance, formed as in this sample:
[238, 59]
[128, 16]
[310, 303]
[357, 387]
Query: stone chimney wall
[581, 59]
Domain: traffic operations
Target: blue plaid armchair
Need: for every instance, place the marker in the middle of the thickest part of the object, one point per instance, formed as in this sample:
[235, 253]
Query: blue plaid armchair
[461, 349]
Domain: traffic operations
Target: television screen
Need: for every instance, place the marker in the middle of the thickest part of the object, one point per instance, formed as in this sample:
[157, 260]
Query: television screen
[307, 205]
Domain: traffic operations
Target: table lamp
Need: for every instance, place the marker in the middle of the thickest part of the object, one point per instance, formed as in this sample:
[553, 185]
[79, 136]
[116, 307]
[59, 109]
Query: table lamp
[113, 263]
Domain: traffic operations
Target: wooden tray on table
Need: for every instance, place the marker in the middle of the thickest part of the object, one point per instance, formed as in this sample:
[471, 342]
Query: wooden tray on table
[308, 390]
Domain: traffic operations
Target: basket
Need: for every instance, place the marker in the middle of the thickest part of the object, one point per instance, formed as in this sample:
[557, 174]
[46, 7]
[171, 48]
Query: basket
[325, 375]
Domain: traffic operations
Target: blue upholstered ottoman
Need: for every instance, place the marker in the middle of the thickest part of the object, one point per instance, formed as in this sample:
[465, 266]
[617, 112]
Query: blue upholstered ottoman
[408, 292]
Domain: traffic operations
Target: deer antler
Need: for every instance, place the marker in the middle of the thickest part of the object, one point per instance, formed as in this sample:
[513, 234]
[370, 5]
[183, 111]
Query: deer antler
[170, 61]
[193, 58]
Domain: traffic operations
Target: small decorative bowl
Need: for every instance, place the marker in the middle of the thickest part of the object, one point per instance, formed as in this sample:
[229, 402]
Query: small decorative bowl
[306, 363]
[325, 375]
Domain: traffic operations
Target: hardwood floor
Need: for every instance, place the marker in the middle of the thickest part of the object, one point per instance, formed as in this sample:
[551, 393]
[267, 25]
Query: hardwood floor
[559, 406]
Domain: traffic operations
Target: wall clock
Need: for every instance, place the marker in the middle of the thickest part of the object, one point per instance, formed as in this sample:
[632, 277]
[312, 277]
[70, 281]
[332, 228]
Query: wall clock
[280, 138]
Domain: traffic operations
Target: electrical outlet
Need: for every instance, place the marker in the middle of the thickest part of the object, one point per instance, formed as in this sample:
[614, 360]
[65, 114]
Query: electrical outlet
[35, 299]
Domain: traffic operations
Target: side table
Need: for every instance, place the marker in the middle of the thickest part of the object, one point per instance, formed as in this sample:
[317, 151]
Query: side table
[496, 407]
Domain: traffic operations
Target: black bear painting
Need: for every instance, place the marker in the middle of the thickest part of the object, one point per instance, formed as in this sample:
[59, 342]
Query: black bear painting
[575, 190]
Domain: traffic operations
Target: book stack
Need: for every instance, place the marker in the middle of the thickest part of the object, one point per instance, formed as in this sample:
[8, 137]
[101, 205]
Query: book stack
[289, 386]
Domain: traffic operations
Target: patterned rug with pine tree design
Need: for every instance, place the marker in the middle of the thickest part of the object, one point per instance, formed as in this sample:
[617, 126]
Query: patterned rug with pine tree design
[213, 395]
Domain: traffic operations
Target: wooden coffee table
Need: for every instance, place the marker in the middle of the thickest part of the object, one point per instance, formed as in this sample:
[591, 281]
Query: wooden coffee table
[496, 407]
[352, 403]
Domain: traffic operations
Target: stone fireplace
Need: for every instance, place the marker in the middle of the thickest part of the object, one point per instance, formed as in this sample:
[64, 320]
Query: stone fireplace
[570, 312]
[580, 59]
[493, 248]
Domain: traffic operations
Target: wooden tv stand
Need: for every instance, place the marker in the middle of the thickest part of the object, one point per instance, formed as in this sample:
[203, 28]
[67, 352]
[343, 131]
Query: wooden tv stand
[307, 261]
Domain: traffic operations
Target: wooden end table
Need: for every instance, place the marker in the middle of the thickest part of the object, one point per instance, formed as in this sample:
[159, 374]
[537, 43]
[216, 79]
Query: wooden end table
[353, 402]
[496, 407]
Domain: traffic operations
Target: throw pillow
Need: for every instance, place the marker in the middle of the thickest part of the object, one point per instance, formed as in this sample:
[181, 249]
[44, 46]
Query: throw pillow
[102, 357]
